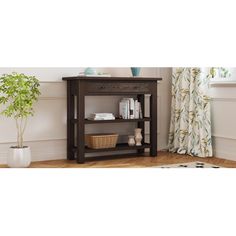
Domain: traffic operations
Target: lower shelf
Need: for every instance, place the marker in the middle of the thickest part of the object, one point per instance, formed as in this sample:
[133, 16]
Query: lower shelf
[119, 147]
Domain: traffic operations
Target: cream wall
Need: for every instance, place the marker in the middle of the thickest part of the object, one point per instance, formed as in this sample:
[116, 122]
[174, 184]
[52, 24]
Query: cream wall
[46, 132]
[224, 120]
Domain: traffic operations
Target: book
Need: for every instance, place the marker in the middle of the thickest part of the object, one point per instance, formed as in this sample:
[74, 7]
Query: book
[127, 109]
[140, 111]
[131, 108]
[99, 75]
[95, 75]
[123, 109]
[136, 109]
[101, 116]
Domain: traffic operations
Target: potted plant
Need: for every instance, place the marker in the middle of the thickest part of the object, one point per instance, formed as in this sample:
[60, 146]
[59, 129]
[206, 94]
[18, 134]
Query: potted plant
[219, 72]
[18, 92]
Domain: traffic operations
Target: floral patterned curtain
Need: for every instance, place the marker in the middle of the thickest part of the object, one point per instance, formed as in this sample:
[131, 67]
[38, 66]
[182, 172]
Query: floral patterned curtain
[190, 128]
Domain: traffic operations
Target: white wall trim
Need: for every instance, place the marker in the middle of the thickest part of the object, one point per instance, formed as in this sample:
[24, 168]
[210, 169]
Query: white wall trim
[224, 147]
[222, 99]
[41, 150]
[224, 155]
[44, 150]
[35, 141]
[224, 83]
[165, 148]
[51, 81]
[223, 136]
[61, 139]
[52, 98]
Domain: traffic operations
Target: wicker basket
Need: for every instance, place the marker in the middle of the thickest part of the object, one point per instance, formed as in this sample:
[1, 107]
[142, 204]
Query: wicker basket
[98, 141]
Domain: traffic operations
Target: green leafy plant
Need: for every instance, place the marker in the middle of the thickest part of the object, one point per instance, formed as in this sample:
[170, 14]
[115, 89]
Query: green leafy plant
[18, 92]
[222, 72]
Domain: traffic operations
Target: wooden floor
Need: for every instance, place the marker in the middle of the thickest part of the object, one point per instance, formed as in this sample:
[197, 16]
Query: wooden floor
[132, 162]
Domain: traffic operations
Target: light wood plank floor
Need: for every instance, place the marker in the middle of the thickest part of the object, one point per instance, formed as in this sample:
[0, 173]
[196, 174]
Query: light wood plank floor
[132, 162]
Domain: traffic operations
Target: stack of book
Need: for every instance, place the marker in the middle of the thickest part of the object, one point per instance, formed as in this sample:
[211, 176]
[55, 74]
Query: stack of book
[101, 116]
[95, 75]
[130, 109]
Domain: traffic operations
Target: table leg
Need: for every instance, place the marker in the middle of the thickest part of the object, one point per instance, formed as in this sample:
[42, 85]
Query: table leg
[153, 123]
[141, 125]
[70, 123]
[80, 123]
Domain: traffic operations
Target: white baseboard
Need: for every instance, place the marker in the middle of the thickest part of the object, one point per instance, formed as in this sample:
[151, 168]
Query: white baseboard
[56, 149]
[225, 155]
[41, 150]
[224, 148]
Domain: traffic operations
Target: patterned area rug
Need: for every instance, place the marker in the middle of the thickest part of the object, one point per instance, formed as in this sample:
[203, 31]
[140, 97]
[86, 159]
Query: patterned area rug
[196, 164]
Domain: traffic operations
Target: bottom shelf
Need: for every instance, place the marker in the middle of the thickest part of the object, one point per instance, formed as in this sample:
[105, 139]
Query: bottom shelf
[119, 147]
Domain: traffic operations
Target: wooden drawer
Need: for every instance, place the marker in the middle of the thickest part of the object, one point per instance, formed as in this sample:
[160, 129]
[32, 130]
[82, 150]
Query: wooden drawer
[117, 87]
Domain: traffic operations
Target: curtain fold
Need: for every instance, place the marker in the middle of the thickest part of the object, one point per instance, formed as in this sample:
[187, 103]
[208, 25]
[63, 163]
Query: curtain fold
[190, 126]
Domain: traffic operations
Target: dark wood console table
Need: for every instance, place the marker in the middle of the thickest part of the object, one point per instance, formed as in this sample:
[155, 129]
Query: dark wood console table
[79, 87]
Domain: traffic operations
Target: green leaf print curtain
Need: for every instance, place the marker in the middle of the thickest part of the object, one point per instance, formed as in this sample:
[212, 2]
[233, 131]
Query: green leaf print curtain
[190, 128]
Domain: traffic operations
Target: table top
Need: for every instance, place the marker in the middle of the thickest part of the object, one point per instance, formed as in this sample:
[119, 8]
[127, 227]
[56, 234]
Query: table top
[97, 78]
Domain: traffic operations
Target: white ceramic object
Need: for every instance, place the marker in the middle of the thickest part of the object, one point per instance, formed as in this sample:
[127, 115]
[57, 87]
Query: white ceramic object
[138, 136]
[131, 141]
[19, 157]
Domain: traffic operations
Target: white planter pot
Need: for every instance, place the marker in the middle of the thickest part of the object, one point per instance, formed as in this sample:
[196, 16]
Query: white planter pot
[19, 157]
